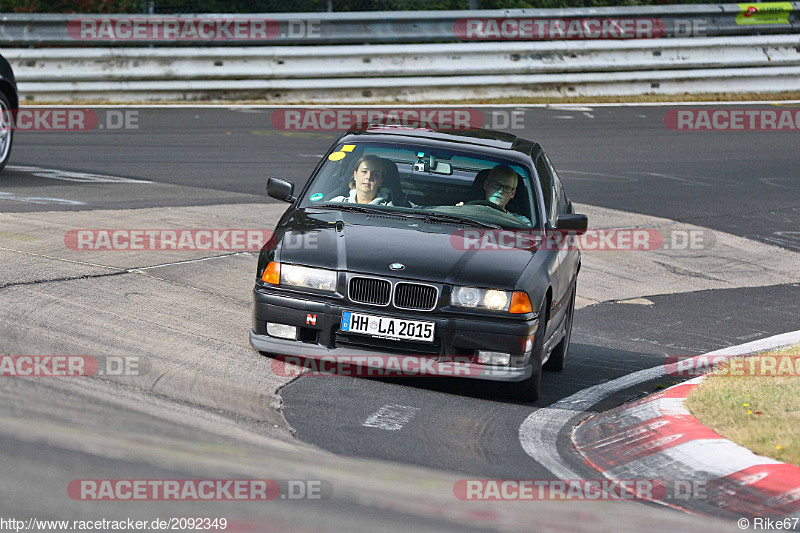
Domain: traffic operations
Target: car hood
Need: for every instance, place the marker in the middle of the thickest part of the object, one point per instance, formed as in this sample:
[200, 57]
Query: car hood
[368, 244]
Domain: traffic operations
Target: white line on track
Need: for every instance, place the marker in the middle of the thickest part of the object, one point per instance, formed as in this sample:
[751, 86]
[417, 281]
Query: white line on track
[187, 261]
[37, 199]
[391, 417]
[66, 175]
[538, 434]
[568, 107]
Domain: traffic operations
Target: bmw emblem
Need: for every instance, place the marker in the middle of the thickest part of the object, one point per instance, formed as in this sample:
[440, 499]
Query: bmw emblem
[397, 266]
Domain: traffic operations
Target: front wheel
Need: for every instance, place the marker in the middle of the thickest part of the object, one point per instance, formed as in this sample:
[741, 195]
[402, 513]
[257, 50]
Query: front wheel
[558, 357]
[529, 390]
[6, 131]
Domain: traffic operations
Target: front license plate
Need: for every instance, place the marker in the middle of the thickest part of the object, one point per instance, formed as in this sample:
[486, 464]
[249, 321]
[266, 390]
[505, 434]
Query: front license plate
[386, 327]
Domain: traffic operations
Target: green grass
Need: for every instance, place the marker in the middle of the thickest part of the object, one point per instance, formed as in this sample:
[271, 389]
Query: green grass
[760, 412]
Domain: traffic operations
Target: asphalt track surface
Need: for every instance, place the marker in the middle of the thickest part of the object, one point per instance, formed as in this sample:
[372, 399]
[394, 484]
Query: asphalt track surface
[743, 183]
[740, 182]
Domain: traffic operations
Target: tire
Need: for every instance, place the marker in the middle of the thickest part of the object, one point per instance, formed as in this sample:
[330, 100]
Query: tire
[530, 389]
[6, 133]
[558, 357]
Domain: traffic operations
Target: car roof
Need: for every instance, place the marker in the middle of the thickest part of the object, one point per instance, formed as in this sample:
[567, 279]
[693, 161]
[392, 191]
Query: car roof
[492, 140]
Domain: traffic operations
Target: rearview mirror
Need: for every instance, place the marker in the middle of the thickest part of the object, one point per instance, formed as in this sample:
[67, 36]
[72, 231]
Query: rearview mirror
[576, 223]
[280, 190]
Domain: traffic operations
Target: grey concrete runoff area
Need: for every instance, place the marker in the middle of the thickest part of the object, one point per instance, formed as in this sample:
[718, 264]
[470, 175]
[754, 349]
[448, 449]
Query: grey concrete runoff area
[187, 314]
[204, 405]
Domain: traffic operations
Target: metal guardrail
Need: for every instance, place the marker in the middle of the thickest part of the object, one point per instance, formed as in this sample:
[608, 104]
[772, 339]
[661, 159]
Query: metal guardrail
[352, 74]
[314, 57]
[385, 61]
[674, 21]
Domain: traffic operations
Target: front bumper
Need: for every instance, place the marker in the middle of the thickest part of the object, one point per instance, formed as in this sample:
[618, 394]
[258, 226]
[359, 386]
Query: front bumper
[456, 337]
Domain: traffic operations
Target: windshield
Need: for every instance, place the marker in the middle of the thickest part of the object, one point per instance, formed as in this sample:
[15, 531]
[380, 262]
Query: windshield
[406, 179]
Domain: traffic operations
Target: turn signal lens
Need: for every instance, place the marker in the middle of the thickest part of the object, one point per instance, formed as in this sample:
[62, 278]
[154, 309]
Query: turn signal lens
[520, 303]
[272, 274]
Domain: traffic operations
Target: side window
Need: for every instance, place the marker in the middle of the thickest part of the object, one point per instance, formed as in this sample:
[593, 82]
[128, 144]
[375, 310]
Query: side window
[562, 203]
[546, 179]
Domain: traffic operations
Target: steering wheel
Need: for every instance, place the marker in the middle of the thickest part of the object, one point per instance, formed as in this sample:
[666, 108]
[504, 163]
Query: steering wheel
[486, 203]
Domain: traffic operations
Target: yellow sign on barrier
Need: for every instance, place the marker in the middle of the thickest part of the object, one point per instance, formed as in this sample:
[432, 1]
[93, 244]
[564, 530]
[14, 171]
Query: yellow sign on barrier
[764, 13]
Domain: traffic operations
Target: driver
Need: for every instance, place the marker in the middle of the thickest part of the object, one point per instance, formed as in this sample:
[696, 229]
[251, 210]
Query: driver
[499, 188]
[366, 185]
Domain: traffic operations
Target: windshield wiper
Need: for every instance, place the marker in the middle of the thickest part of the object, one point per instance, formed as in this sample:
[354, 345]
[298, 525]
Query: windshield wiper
[353, 207]
[440, 217]
[428, 217]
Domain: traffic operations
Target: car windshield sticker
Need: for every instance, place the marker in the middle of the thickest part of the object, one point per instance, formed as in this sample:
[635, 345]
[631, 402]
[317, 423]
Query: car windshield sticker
[316, 196]
[338, 156]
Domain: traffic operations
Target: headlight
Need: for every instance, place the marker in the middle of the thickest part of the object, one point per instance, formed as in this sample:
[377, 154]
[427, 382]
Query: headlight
[493, 299]
[516, 302]
[496, 299]
[467, 296]
[310, 278]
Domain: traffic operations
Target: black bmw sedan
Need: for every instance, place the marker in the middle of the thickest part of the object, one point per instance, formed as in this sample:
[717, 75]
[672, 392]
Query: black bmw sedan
[429, 245]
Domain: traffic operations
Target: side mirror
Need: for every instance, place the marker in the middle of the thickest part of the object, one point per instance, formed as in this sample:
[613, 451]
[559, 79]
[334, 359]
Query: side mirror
[280, 190]
[576, 223]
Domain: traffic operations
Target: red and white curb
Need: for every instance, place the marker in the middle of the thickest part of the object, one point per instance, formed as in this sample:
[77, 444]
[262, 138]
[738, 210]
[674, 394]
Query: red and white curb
[657, 438]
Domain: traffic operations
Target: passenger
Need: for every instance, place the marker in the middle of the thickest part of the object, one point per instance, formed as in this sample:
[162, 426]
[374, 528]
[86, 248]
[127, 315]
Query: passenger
[499, 188]
[365, 187]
